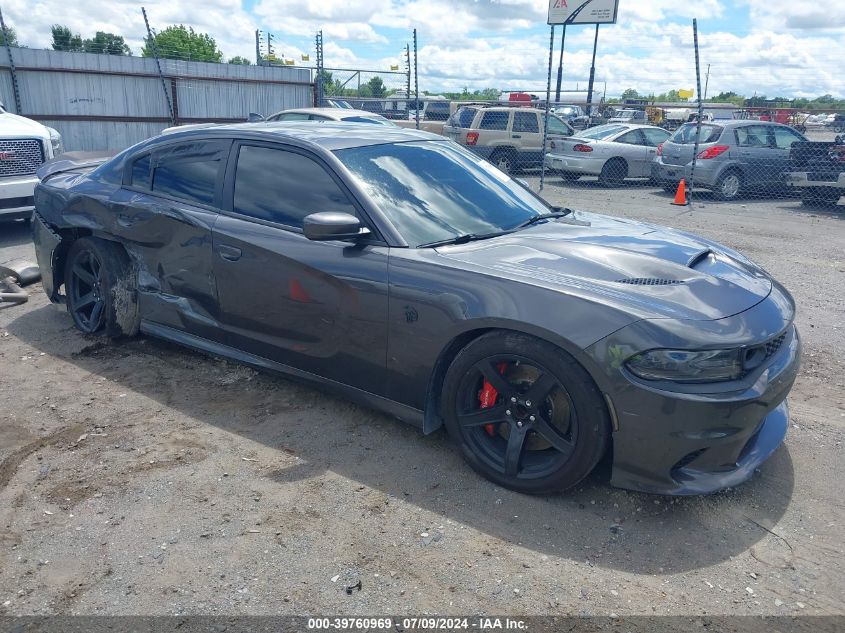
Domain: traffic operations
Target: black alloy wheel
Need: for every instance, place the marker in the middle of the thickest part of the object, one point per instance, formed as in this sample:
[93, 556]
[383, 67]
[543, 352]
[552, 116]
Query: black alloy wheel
[85, 290]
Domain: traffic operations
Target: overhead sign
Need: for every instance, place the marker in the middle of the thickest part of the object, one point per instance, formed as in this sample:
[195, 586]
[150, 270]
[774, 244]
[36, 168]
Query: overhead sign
[595, 12]
[683, 93]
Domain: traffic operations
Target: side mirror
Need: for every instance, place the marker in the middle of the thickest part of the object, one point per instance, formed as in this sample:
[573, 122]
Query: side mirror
[254, 117]
[332, 226]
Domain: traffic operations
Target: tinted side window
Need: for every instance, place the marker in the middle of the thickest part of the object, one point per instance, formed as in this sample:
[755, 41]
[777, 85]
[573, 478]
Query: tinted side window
[525, 122]
[655, 137]
[192, 179]
[141, 172]
[284, 187]
[464, 117]
[495, 121]
[556, 126]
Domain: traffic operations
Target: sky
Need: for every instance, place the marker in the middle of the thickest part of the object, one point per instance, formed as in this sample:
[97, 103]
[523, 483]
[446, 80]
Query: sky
[792, 48]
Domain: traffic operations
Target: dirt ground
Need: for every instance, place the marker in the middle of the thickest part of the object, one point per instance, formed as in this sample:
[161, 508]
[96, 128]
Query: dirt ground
[141, 478]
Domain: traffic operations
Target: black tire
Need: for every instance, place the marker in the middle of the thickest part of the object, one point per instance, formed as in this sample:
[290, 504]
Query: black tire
[614, 172]
[536, 447]
[729, 186]
[815, 197]
[504, 160]
[101, 288]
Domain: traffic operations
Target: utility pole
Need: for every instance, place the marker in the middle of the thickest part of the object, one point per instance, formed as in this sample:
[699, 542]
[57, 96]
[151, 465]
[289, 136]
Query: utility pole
[154, 48]
[560, 65]
[257, 47]
[707, 82]
[416, 81]
[592, 75]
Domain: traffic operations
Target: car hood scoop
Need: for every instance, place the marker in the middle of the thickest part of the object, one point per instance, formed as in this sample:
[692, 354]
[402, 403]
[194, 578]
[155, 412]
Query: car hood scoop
[657, 271]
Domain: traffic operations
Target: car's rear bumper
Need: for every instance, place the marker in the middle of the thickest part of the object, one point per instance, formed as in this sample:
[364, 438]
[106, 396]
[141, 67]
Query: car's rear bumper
[706, 173]
[575, 164]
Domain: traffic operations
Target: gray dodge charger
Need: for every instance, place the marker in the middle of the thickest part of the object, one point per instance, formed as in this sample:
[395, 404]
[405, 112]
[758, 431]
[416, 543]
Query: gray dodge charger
[402, 271]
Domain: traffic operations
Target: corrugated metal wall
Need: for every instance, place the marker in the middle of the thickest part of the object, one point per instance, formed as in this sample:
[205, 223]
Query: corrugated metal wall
[104, 102]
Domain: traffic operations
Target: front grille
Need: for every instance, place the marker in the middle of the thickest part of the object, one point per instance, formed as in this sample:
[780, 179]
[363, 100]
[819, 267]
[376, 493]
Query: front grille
[648, 281]
[20, 157]
[774, 345]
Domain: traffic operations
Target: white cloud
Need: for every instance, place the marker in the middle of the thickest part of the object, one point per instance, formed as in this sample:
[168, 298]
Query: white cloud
[803, 15]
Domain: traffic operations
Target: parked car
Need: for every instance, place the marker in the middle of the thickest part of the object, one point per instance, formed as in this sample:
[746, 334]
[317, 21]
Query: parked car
[628, 115]
[734, 157]
[510, 137]
[612, 152]
[817, 170]
[24, 145]
[330, 114]
[574, 115]
[436, 111]
[394, 267]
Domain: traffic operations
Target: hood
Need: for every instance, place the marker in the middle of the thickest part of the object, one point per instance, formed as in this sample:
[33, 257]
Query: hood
[653, 271]
[12, 125]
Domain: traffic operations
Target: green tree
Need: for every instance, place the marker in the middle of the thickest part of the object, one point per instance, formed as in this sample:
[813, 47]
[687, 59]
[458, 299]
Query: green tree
[106, 44]
[630, 93]
[65, 40]
[178, 42]
[241, 61]
[11, 34]
[376, 87]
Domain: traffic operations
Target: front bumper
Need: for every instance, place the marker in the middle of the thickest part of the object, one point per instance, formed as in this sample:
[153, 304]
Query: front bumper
[679, 439]
[802, 179]
[575, 165]
[46, 242]
[16, 197]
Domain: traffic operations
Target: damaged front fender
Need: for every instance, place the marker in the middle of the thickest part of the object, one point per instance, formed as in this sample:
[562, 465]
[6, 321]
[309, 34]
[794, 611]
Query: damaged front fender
[47, 242]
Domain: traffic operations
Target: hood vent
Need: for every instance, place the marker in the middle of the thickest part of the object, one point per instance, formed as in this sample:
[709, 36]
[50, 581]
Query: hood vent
[649, 281]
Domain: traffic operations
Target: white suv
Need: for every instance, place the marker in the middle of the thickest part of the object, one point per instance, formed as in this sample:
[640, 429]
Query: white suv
[24, 145]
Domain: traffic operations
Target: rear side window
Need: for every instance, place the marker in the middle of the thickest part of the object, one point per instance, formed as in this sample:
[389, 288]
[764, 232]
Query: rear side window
[189, 171]
[685, 135]
[525, 122]
[141, 172]
[464, 117]
[494, 121]
[655, 137]
[634, 137]
[283, 187]
[752, 136]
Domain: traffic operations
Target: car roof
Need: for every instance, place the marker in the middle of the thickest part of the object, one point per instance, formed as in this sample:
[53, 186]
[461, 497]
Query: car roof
[330, 135]
[330, 112]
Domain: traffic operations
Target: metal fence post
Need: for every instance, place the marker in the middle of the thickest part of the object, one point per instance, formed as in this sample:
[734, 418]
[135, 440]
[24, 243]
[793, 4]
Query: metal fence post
[12, 71]
[154, 48]
[416, 81]
[319, 82]
[546, 115]
[700, 112]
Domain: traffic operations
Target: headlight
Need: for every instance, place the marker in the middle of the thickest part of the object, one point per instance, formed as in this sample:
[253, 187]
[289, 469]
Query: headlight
[687, 366]
[56, 141]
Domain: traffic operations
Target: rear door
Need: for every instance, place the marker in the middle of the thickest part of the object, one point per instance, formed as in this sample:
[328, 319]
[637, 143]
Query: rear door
[525, 133]
[166, 209]
[756, 154]
[320, 307]
[632, 147]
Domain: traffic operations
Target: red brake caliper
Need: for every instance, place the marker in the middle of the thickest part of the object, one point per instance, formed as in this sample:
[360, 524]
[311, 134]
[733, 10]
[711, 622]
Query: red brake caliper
[487, 397]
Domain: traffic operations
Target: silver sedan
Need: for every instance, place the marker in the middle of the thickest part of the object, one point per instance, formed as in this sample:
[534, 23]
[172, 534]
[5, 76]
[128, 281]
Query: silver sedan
[612, 152]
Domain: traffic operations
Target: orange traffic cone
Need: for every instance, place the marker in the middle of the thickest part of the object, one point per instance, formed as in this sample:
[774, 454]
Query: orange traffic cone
[681, 194]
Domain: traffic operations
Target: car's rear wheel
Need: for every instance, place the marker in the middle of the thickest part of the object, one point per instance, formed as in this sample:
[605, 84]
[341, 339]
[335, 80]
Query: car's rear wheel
[524, 413]
[504, 160]
[100, 288]
[614, 172]
[728, 186]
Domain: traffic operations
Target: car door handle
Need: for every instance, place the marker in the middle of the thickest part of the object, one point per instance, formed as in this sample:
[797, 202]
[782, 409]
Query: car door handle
[229, 253]
[516, 136]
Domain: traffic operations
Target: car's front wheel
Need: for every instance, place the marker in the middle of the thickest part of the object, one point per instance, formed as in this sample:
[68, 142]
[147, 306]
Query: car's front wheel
[524, 413]
[100, 288]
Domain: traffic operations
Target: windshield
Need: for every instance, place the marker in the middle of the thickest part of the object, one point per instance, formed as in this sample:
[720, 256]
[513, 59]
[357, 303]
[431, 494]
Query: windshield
[602, 131]
[565, 110]
[685, 135]
[378, 120]
[436, 190]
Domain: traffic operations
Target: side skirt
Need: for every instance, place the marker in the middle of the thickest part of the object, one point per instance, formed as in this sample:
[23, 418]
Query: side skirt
[405, 413]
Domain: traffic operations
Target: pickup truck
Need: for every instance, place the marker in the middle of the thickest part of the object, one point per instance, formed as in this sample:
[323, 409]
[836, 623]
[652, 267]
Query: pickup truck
[818, 170]
[24, 145]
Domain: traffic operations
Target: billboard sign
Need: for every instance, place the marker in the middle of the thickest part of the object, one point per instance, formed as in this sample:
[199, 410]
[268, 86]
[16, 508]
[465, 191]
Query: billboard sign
[596, 12]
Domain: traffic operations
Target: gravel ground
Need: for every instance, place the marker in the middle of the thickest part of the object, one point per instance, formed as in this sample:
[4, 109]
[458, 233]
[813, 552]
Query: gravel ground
[141, 478]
